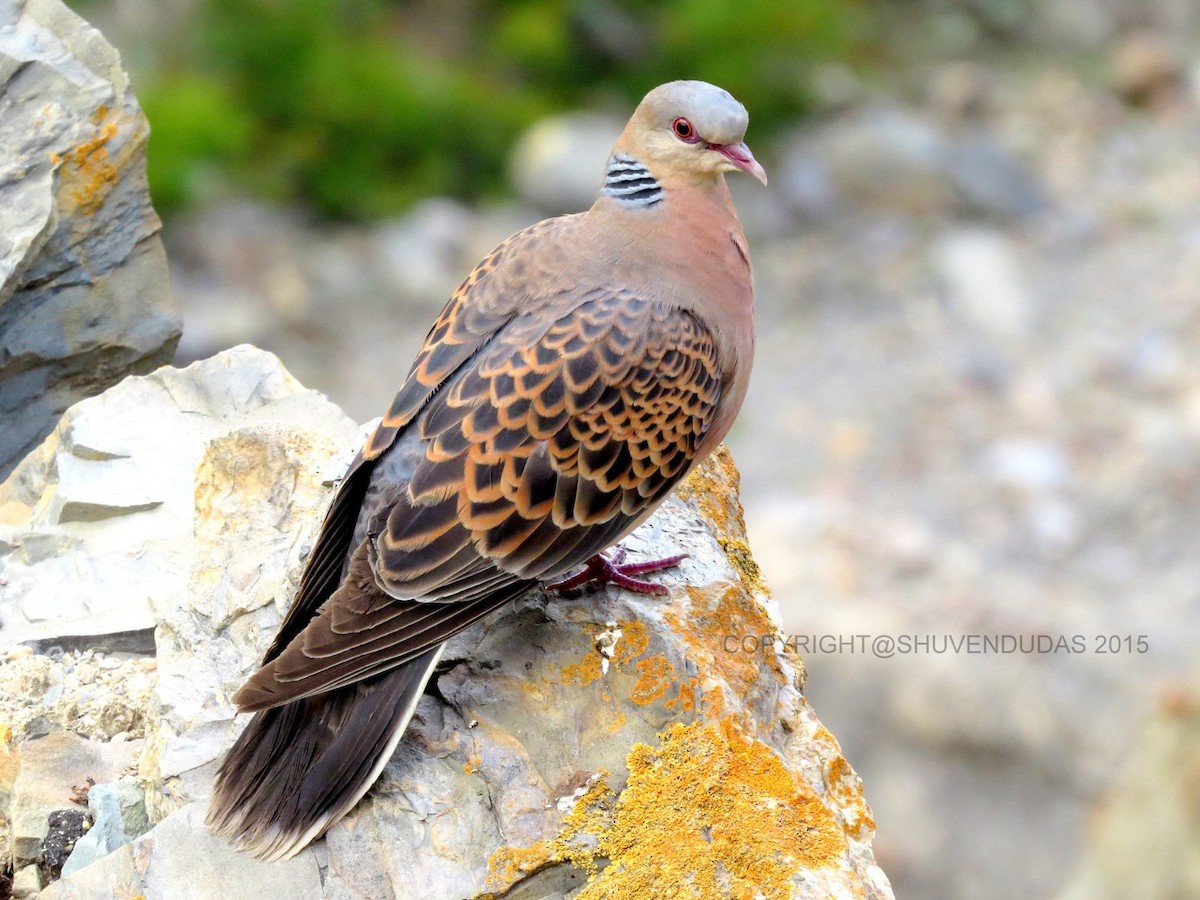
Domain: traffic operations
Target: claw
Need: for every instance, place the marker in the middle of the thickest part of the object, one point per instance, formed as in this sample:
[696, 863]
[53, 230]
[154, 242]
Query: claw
[613, 570]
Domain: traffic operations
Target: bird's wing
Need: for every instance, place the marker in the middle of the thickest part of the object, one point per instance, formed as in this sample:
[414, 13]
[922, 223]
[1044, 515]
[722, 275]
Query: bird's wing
[548, 443]
[469, 320]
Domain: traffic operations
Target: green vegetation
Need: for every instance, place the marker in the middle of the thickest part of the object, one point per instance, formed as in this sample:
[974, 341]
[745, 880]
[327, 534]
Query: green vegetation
[358, 107]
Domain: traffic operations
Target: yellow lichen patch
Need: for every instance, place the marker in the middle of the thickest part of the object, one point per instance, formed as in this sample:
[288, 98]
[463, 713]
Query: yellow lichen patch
[616, 724]
[715, 485]
[580, 835]
[711, 813]
[739, 556]
[87, 171]
[471, 766]
[712, 702]
[586, 825]
[633, 641]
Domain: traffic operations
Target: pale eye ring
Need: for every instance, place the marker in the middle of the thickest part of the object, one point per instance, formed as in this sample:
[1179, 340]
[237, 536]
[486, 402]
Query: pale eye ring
[684, 130]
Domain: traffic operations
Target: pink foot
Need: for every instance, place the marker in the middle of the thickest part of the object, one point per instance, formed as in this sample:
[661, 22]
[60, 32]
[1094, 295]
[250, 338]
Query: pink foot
[612, 570]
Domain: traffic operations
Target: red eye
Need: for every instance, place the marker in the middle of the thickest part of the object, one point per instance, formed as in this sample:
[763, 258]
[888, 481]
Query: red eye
[683, 130]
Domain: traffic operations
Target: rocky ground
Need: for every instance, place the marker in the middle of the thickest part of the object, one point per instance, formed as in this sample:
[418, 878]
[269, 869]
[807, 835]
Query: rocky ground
[976, 410]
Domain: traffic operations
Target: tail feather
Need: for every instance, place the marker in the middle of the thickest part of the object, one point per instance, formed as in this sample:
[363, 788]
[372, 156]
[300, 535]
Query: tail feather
[298, 768]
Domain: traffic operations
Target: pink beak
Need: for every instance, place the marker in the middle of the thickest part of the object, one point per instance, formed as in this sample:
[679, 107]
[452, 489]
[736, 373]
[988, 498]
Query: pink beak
[740, 156]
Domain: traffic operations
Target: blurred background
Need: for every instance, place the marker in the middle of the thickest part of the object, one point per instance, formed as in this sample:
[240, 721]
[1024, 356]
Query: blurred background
[976, 405]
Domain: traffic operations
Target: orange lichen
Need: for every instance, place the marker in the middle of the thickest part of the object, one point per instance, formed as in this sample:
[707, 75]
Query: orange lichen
[715, 635]
[86, 170]
[471, 766]
[585, 826]
[575, 844]
[837, 768]
[616, 724]
[711, 813]
[586, 671]
[845, 788]
[654, 678]
[685, 700]
[631, 641]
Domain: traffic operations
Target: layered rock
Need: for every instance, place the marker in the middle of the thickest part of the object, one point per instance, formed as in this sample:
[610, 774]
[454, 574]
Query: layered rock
[606, 745]
[84, 296]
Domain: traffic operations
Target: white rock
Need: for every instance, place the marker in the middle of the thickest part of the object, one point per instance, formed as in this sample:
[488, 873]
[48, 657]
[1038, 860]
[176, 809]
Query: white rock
[984, 281]
[558, 164]
[114, 484]
[1029, 463]
[901, 161]
[181, 858]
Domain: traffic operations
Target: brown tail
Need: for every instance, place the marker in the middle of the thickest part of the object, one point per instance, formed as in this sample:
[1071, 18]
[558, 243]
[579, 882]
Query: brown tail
[298, 768]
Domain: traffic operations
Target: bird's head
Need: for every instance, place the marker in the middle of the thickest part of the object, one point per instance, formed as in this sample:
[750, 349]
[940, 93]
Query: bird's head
[690, 129]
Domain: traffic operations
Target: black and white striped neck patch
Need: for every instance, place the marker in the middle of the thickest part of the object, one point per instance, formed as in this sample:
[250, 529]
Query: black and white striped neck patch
[630, 182]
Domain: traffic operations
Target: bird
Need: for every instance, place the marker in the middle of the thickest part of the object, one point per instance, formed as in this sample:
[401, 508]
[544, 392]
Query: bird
[579, 373]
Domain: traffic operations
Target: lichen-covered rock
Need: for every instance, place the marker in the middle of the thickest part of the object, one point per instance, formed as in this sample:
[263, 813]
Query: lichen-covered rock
[603, 745]
[84, 295]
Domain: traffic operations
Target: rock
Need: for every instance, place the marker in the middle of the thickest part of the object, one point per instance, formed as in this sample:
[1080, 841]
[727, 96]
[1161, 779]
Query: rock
[1144, 839]
[51, 767]
[558, 164]
[984, 282]
[118, 813]
[896, 160]
[1146, 68]
[1029, 464]
[93, 696]
[98, 520]
[540, 760]
[273, 474]
[10, 767]
[27, 881]
[84, 297]
[180, 851]
[64, 828]
[421, 250]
